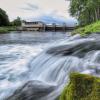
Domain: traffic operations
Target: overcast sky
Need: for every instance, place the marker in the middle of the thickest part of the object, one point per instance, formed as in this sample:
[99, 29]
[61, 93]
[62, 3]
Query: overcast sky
[34, 8]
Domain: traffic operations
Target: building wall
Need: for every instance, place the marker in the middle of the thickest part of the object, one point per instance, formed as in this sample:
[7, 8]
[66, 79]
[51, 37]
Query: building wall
[37, 24]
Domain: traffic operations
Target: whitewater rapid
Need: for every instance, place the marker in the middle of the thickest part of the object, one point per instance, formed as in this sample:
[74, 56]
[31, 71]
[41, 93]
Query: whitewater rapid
[40, 73]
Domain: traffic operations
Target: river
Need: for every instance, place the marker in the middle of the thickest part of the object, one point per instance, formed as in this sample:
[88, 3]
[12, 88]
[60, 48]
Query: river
[36, 65]
[16, 51]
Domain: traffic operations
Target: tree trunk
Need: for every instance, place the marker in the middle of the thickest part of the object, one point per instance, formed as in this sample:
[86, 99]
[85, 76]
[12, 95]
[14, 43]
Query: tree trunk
[96, 15]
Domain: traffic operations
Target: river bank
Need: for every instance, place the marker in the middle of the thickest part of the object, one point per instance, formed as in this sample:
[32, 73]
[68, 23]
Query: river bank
[88, 29]
[7, 29]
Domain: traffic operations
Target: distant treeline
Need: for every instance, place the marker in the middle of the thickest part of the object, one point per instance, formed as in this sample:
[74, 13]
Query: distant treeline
[4, 19]
[86, 11]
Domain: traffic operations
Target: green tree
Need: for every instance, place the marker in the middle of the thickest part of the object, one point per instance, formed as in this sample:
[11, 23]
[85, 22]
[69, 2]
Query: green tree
[86, 11]
[4, 20]
[16, 22]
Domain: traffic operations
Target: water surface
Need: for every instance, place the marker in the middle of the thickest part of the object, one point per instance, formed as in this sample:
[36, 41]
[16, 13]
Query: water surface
[16, 52]
[36, 66]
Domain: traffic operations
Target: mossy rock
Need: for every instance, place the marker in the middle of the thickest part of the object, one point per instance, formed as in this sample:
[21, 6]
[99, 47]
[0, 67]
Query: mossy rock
[82, 87]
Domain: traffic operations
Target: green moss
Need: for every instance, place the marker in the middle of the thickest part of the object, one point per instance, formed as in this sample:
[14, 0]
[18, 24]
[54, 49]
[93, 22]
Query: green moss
[95, 27]
[82, 87]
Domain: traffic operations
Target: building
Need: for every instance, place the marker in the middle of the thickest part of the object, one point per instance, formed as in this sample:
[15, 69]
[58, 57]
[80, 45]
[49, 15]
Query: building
[33, 26]
[40, 26]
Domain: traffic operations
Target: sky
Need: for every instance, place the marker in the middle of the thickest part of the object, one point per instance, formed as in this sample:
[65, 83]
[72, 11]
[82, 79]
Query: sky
[46, 10]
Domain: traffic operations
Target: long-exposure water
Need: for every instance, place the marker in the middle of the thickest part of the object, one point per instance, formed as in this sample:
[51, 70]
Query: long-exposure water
[36, 65]
[16, 52]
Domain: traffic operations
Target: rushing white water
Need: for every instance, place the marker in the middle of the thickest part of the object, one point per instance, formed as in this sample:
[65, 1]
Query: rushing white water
[14, 61]
[17, 50]
[44, 77]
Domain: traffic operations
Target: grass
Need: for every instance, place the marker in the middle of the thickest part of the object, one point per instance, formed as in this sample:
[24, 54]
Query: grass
[92, 28]
[7, 29]
[82, 87]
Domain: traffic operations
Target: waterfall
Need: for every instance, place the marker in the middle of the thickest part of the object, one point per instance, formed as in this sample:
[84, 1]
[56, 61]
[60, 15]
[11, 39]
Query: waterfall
[49, 72]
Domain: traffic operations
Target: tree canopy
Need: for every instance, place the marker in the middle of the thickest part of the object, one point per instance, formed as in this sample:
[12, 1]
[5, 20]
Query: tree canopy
[16, 22]
[4, 20]
[86, 11]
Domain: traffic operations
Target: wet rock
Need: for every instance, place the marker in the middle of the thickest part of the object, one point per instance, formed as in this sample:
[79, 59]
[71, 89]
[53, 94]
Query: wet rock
[32, 90]
[97, 70]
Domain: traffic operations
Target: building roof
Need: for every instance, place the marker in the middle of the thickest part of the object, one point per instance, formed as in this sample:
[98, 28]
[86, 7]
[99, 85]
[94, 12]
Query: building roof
[35, 22]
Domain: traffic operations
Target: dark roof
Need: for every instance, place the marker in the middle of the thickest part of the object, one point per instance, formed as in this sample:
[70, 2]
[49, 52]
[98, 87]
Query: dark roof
[35, 22]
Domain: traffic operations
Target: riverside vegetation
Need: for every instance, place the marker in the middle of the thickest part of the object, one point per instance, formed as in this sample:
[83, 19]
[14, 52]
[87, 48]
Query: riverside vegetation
[88, 29]
[7, 29]
[87, 12]
[6, 25]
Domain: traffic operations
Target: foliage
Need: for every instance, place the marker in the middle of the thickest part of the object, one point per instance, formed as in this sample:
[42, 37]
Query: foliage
[4, 20]
[86, 11]
[3, 30]
[82, 87]
[7, 29]
[95, 27]
[16, 22]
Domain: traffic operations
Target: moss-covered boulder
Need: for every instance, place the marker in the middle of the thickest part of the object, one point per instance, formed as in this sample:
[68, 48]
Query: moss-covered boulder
[82, 87]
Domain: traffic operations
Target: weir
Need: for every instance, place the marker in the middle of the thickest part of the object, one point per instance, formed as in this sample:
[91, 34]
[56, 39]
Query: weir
[40, 26]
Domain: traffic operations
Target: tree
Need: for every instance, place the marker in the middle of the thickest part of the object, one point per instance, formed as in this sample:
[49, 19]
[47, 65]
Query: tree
[4, 20]
[86, 11]
[16, 22]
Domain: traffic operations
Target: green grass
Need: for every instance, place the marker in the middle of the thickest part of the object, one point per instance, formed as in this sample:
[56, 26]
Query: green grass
[94, 27]
[7, 29]
[82, 87]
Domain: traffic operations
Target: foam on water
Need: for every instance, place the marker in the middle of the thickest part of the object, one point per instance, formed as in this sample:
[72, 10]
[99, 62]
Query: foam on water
[43, 77]
[14, 61]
